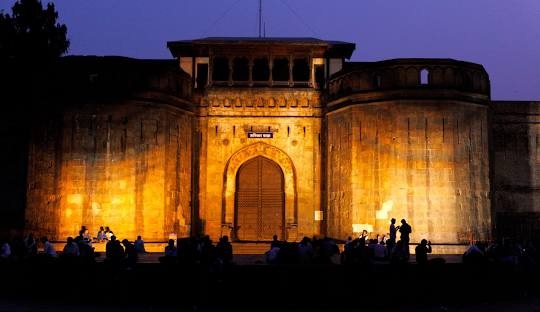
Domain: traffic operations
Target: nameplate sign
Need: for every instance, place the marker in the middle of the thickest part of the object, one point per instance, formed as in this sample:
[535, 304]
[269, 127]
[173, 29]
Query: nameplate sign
[260, 135]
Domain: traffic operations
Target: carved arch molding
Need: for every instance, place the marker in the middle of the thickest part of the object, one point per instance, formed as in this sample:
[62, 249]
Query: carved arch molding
[245, 154]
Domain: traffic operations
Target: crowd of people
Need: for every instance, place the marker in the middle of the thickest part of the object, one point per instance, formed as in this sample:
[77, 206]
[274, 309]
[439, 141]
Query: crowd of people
[201, 249]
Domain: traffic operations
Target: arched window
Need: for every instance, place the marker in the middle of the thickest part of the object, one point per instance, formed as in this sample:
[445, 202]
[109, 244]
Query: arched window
[424, 76]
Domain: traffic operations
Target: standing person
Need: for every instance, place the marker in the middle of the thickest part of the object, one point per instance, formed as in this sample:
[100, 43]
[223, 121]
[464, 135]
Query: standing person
[392, 240]
[421, 252]
[405, 229]
[139, 245]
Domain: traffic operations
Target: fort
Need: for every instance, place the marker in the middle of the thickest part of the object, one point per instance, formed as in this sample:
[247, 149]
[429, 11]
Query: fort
[251, 137]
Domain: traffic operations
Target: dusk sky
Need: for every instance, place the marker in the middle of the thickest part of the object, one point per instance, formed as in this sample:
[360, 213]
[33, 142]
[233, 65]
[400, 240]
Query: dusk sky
[502, 35]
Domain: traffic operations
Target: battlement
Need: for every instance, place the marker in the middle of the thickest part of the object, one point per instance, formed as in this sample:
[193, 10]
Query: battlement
[410, 78]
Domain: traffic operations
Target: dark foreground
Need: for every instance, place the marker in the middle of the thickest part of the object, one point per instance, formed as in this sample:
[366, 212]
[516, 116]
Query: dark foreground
[372, 287]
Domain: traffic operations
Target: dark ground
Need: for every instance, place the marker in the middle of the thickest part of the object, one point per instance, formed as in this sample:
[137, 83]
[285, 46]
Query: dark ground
[373, 287]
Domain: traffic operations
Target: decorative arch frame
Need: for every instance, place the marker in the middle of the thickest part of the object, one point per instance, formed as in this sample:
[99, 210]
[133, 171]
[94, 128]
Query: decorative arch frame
[238, 159]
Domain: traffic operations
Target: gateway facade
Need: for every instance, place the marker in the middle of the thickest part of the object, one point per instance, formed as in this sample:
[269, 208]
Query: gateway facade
[251, 137]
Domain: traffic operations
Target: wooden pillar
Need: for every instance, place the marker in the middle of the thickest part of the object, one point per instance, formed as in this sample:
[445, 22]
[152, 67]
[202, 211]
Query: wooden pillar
[230, 59]
[291, 63]
[270, 66]
[251, 63]
[210, 67]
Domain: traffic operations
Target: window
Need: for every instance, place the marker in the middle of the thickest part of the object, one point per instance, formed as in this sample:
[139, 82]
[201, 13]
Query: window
[202, 75]
[424, 77]
[220, 70]
[280, 70]
[240, 69]
[319, 76]
[377, 80]
[261, 70]
[300, 70]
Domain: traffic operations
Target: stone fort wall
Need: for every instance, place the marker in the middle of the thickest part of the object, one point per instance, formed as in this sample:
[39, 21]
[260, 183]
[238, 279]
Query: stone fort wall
[399, 147]
[126, 166]
[399, 138]
[516, 177]
[113, 147]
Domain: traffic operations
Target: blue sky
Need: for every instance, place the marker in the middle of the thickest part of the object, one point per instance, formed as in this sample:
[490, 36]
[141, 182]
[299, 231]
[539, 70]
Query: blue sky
[504, 36]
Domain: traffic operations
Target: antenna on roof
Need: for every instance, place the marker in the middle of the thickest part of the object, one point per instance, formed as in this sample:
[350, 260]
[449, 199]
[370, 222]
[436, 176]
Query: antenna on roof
[260, 17]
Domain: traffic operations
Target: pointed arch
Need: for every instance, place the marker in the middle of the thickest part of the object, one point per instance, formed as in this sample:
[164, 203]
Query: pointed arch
[251, 151]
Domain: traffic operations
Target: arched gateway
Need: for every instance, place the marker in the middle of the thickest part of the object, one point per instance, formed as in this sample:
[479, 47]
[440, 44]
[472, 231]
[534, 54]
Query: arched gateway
[259, 195]
[259, 200]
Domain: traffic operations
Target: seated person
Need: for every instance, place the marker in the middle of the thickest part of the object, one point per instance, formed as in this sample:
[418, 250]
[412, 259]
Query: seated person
[171, 253]
[139, 245]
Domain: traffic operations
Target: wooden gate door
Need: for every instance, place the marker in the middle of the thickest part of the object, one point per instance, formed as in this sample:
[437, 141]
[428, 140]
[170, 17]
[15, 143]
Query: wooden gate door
[259, 201]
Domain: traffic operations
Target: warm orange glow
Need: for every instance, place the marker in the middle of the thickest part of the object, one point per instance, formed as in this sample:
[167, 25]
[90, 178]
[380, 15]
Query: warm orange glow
[359, 228]
[136, 180]
[75, 199]
[426, 168]
[382, 214]
[96, 209]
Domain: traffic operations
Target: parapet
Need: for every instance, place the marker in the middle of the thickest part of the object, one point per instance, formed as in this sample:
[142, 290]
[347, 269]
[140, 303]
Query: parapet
[409, 79]
[94, 78]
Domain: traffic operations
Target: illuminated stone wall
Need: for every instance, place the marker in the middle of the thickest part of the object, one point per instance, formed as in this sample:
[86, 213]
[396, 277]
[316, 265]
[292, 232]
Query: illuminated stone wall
[293, 116]
[126, 166]
[424, 162]
[421, 155]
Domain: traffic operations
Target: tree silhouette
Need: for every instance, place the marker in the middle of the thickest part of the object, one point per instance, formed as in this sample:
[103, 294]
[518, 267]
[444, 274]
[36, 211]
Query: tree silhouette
[32, 32]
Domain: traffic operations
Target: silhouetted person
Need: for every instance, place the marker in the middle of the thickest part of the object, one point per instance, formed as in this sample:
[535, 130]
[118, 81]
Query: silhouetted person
[131, 253]
[391, 242]
[398, 255]
[275, 242]
[5, 250]
[48, 248]
[114, 252]
[422, 251]
[170, 254]
[405, 230]
[363, 238]
[30, 245]
[71, 249]
[224, 250]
